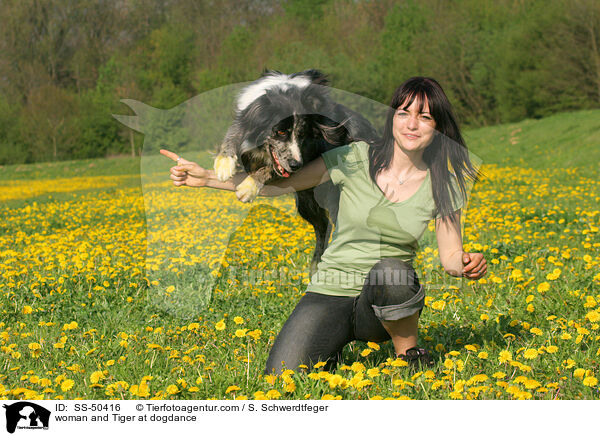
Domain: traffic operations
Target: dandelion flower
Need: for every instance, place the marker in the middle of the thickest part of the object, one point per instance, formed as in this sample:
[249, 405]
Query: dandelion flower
[593, 316]
[543, 287]
[373, 345]
[273, 394]
[373, 372]
[240, 333]
[220, 325]
[96, 376]
[67, 385]
[172, 389]
[504, 356]
[590, 381]
[232, 388]
[530, 353]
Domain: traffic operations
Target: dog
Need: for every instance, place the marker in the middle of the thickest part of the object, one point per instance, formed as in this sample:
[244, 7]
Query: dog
[281, 123]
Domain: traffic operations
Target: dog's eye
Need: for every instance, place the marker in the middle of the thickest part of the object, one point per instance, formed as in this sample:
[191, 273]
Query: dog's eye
[281, 132]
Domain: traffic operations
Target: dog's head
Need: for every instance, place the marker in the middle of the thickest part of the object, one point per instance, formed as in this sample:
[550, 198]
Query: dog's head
[290, 127]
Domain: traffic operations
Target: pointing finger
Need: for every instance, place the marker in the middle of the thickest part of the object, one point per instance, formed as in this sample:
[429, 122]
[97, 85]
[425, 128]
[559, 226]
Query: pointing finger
[169, 154]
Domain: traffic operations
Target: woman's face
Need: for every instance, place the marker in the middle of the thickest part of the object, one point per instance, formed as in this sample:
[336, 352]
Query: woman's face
[413, 131]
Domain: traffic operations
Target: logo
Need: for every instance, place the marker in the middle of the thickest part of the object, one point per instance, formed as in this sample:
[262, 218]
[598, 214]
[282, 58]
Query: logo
[26, 415]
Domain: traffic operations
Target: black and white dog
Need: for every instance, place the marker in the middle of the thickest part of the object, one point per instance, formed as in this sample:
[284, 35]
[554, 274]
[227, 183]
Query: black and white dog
[281, 123]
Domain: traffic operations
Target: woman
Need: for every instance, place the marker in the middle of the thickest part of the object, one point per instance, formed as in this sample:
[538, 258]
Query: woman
[365, 287]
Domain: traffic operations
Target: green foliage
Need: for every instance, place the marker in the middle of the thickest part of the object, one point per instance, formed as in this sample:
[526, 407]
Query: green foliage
[64, 67]
[304, 10]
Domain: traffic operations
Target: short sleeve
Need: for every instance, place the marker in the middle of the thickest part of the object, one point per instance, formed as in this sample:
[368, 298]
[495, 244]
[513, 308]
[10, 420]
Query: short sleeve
[341, 162]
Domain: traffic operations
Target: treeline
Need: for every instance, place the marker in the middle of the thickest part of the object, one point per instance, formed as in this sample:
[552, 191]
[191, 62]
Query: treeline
[64, 64]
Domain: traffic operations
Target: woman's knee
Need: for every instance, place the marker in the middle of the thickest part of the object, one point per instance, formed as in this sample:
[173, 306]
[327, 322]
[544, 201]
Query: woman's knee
[392, 288]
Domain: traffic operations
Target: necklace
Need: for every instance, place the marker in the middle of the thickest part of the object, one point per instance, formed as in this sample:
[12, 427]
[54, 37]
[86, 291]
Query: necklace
[401, 182]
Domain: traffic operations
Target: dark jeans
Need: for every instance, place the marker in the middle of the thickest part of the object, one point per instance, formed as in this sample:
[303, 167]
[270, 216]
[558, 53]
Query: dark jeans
[321, 325]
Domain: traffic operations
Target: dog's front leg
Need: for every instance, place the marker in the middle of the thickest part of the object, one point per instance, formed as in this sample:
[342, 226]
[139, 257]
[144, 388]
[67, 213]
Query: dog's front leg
[226, 161]
[251, 185]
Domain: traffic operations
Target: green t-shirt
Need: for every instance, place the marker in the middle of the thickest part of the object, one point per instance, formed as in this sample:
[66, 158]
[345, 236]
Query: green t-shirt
[369, 226]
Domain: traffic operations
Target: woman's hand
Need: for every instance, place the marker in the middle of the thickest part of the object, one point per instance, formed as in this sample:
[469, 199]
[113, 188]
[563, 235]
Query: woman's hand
[474, 265]
[186, 173]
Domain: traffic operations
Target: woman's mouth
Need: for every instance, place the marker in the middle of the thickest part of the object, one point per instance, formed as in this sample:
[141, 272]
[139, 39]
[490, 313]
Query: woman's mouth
[409, 136]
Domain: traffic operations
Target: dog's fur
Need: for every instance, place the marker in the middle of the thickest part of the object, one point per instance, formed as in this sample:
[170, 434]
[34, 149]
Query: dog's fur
[283, 122]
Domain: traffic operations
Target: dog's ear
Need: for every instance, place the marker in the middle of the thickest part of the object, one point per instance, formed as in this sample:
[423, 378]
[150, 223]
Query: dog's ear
[316, 77]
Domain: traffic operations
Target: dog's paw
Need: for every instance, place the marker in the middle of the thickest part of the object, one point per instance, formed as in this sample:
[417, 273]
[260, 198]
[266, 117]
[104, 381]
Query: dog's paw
[225, 167]
[248, 190]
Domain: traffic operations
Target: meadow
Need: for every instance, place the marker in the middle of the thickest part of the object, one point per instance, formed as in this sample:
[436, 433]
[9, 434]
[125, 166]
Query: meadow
[120, 286]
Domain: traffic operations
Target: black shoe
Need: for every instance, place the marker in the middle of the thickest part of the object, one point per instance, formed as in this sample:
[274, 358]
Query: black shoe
[417, 357]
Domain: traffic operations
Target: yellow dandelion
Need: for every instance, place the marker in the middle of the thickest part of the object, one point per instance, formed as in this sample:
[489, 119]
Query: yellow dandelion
[373, 345]
[270, 378]
[483, 355]
[96, 376]
[373, 372]
[593, 316]
[273, 394]
[67, 385]
[366, 352]
[238, 320]
[254, 334]
[579, 373]
[552, 349]
[172, 389]
[543, 287]
[590, 381]
[504, 356]
[240, 333]
[438, 305]
[554, 274]
[220, 325]
[536, 331]
[232, 388]
[499, 374]
[532, 384]
[530, 353]
[260, 395]
[27, 310]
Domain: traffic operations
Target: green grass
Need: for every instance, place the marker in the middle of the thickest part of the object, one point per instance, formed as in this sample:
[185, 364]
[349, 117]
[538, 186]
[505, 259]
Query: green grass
[511, 214]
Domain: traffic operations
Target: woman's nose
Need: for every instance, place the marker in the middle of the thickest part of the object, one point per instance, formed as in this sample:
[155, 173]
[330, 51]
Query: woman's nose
[412, 123]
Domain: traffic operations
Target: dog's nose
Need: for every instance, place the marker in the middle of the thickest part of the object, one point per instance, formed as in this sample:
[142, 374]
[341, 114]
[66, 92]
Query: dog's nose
[294, 164]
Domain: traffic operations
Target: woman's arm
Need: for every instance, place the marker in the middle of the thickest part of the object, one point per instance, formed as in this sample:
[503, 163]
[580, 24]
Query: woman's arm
[188, 173]
[454, 260]
[312, 174]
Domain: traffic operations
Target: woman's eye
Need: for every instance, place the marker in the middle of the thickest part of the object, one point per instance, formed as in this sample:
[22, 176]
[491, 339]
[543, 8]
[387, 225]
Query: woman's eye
[427, 118]
[401, 114]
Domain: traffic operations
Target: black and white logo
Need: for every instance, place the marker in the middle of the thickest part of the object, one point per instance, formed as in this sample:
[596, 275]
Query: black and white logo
[26, 415]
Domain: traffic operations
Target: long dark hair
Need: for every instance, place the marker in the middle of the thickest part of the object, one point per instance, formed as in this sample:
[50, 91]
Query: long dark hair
[447, 147]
